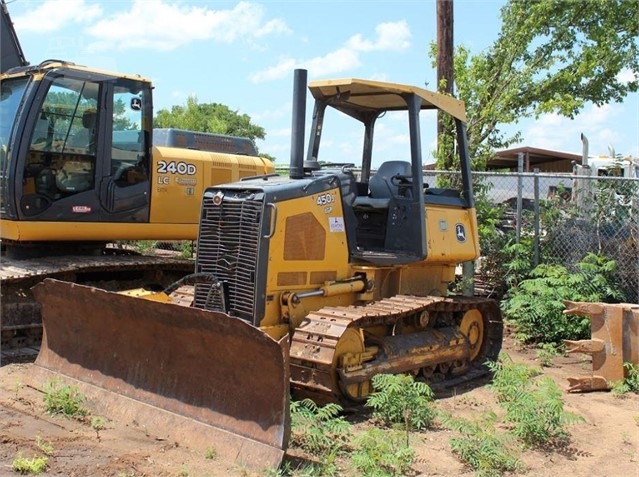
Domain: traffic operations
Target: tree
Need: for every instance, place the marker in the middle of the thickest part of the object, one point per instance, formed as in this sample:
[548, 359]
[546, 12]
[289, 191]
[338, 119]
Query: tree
[208, 117]
[550, 56]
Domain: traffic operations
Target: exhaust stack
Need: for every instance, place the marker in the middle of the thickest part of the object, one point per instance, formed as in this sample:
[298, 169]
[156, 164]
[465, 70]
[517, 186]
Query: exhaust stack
[296, 170]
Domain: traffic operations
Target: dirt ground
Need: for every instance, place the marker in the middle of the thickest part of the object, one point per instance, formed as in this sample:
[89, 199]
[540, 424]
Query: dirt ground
[606, 444]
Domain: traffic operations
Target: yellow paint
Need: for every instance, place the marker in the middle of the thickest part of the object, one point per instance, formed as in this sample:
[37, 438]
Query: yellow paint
[443, 245]
[334, 254]
[176, 198]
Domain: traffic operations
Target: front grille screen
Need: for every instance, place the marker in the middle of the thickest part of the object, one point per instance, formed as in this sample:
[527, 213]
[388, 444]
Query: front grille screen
[228, 248]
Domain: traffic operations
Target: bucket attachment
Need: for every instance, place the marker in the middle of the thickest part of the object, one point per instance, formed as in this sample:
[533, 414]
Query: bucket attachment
[198, 377]
[614, 341]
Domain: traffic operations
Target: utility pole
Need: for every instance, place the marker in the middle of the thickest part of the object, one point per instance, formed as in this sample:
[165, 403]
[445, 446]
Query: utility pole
[445, 82]
[445, 72]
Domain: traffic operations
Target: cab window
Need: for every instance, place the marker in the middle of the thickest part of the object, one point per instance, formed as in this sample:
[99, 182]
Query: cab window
[128, 155]
[61, 159]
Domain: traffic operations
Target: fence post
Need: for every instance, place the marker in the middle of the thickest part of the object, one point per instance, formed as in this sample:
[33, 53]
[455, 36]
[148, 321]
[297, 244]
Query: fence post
[537, 218]
[520, 192]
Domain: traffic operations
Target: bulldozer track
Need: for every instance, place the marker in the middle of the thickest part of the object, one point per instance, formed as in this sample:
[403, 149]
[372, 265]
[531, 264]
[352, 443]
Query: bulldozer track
[315, 365]
[21, 321]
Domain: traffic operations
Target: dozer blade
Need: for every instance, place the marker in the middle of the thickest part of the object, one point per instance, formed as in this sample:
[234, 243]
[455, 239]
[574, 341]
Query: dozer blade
[199, 377]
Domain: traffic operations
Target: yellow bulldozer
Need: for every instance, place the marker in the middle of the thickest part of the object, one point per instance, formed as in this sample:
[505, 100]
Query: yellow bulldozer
[321, 279]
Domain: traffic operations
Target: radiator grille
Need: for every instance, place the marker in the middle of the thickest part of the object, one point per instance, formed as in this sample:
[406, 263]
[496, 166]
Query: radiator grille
[228, 248]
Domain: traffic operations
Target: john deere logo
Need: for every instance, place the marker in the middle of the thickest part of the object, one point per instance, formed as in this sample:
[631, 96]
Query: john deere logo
[460, 232]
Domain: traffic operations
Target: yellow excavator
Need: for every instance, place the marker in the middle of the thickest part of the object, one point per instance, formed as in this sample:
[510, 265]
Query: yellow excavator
[82, 167]
[328, 277]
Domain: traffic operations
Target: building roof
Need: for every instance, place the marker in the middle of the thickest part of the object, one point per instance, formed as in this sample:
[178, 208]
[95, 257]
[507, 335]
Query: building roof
[533, 158]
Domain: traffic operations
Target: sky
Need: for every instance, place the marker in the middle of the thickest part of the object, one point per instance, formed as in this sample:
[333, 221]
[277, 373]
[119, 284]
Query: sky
[242, 54]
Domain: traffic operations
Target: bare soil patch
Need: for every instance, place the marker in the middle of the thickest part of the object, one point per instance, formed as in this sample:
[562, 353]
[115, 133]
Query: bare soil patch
[606, 444]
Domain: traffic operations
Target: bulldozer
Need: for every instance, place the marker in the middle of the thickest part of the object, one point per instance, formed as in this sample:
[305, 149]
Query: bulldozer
[318, 280]
[82, 169]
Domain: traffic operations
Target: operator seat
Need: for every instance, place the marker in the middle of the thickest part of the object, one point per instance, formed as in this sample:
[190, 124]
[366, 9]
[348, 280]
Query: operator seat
[85, 138]
[381, 186]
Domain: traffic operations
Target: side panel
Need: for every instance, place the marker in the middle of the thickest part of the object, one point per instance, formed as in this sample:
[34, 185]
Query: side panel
[309, 247]
[90, 231]
[451, 235]
[180, 177]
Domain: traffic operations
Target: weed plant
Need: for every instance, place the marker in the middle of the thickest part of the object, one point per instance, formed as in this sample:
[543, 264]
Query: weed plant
[321, 432]
[630, 384]
[60, 398]
[545, 354]
[382, 453]
[24, 465]
[45, 446]
[535, 407]
[399, 399]
[488, 452]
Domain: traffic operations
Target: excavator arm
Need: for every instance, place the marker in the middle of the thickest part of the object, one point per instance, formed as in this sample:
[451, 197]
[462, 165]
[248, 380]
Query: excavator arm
[12, 54]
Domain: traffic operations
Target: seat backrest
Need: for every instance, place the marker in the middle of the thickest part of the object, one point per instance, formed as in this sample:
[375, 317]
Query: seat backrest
[380, 184]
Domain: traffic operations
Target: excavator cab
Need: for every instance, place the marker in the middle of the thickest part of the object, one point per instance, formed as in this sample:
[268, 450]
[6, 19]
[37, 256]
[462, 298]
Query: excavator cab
[79, 148]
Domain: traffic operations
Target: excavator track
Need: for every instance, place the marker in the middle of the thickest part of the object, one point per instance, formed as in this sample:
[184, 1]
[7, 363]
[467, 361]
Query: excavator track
[21, 321]
[337, 350]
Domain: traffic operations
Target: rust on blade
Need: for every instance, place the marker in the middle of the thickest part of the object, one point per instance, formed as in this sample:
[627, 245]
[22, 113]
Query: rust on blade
[208, 367]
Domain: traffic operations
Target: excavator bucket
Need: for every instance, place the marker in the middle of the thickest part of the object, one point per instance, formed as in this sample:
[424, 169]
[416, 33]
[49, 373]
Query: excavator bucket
[194, 376]
[614, 341]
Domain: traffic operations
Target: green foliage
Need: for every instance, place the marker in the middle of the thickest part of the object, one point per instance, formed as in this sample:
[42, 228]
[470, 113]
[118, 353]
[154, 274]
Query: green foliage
[187, 248]
[399, 399]
[481, 447]
[320, 431]
[60, 398]
[535, 407]
[98, 424]
[24, 465]
[550, 56]
[145, 246]
[509, 377]
[536, 306]
[210, 453]
[630, 383]
[382, 453]
[546, 352]
[45, 446]
[208, 117]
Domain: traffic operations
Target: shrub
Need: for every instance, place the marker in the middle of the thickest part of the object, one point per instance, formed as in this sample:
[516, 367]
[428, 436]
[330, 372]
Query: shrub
[536, 306]
[481, 447]
[320, 431]
[381, 453]
[535, 407]
[399, 399]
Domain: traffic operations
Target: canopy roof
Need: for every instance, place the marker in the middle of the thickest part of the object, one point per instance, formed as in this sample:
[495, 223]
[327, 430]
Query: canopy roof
[359, 95]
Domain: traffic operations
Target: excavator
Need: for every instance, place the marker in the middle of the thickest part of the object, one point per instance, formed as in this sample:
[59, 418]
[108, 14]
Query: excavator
[309, 284]
[81, 167]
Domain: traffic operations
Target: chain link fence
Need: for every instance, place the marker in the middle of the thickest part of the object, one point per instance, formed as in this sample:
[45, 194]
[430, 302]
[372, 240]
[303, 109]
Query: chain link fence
[564, 216]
